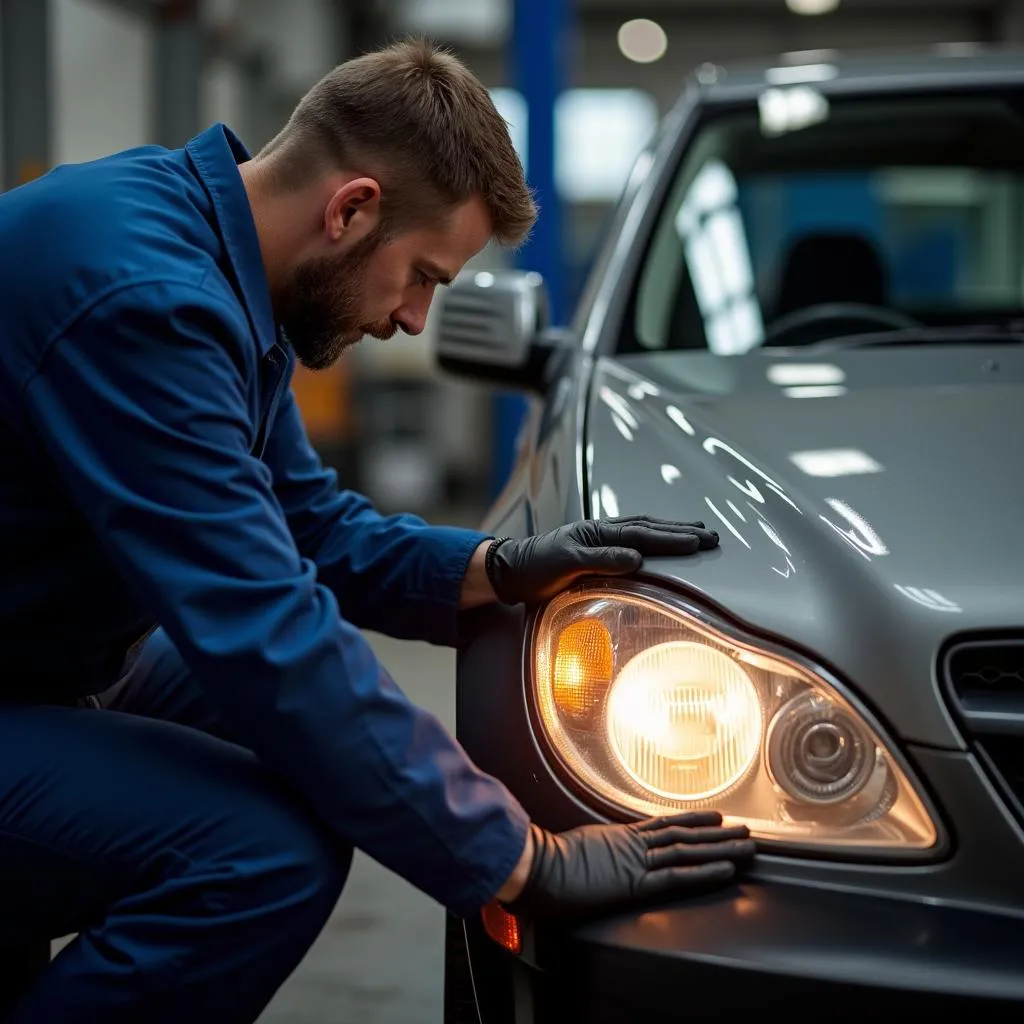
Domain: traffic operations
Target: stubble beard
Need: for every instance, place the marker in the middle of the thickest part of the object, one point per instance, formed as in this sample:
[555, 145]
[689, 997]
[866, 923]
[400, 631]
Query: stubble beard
[321, 317]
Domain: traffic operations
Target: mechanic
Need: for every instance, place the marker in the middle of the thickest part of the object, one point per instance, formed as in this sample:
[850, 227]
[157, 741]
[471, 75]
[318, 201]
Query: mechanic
[194, 734]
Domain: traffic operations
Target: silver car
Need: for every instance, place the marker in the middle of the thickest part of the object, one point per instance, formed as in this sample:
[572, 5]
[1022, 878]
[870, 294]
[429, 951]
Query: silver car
[804, 327]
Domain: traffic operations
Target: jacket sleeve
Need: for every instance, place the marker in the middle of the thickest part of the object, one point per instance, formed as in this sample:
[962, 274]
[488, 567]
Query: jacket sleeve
[392, 574]
[142, 406]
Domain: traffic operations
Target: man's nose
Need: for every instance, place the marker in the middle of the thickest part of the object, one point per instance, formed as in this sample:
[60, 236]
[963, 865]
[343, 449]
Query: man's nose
[412, 318]
[408, 323]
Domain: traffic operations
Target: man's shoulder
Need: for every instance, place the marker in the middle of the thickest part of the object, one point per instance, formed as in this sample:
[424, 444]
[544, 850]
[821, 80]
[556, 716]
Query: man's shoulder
[132, 229]
[119, 207]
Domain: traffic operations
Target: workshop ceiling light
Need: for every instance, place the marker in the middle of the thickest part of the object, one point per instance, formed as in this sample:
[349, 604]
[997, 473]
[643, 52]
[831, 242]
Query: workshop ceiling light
[642, 40]
[812, 6]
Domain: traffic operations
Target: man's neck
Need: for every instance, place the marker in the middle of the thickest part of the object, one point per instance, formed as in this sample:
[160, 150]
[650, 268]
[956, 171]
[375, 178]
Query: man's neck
[279, 225]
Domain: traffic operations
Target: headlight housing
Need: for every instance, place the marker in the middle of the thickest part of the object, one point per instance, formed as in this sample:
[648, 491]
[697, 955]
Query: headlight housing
[652, 708]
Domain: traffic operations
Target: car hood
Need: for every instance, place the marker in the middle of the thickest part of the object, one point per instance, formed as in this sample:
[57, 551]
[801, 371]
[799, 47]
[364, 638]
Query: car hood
[869, 506]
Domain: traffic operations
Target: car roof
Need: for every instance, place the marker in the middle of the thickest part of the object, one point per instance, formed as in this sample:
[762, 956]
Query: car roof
[949, 66]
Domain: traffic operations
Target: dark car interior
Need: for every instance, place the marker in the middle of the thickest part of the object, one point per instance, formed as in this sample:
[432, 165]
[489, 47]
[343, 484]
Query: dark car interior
[831, 267]
[910, 260]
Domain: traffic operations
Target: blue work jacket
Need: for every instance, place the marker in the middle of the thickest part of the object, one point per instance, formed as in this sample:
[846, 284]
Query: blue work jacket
[154, 469]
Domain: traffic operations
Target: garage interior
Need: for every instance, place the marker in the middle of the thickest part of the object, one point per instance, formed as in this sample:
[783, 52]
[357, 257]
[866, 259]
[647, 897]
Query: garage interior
[83, 78]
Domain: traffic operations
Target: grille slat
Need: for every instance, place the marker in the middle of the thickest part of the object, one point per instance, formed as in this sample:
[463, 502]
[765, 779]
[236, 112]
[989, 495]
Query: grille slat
[985, 683]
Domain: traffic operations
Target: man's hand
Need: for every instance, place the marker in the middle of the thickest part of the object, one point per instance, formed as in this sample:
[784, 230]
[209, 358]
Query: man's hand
[536, 568]
[600, 869]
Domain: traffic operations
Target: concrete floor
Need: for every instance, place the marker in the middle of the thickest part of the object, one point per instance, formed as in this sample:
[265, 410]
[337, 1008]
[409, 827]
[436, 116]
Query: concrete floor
[380, 959]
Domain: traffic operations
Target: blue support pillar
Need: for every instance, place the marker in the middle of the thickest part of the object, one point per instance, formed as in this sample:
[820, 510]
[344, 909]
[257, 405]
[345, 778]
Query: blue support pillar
[539, 53]
[26, 90]
[178, 59]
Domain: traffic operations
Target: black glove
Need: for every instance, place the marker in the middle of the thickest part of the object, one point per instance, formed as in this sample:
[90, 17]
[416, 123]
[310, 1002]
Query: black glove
[603, 868]
[536, 568]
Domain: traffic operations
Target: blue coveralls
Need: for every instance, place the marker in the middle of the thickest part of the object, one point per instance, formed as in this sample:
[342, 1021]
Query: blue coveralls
[154, 472]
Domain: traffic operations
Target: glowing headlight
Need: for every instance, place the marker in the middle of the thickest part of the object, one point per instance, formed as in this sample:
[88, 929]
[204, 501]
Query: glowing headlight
[652, 710]
[684, 720]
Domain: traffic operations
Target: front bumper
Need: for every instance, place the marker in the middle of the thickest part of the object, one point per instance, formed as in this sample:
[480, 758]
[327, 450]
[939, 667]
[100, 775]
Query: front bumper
[813, 937]
[757, 947]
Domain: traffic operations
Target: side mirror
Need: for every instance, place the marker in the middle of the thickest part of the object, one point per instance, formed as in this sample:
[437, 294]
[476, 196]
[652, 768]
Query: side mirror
[494, 328]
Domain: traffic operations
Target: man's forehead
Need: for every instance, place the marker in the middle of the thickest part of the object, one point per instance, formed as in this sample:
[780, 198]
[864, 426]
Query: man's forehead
[463, 233]
[442, 248]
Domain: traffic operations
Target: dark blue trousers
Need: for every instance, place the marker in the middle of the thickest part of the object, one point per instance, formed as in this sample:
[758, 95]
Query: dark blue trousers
[195, 880]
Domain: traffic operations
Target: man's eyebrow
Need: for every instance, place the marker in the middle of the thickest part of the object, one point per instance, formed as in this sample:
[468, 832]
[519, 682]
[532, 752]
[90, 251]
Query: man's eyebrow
[436, 272]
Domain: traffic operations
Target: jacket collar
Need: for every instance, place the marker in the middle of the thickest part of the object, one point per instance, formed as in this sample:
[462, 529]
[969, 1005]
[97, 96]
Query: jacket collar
[216, 154]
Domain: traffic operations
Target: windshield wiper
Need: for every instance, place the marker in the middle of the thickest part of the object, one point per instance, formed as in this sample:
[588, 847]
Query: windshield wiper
[986, 334]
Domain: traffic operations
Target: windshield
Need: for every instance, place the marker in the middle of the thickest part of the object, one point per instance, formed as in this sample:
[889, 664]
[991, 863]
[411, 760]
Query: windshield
[797, 221]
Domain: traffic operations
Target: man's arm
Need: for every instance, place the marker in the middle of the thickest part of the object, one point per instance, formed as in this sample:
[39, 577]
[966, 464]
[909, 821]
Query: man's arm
[393, 574]
[142, 406]
[476, 585]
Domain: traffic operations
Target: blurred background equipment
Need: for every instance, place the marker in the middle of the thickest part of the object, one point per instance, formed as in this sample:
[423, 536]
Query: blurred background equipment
[583, 85]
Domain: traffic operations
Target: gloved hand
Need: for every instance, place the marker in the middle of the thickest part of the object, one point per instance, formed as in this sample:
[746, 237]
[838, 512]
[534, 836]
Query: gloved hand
[536, 568]
[602, 868]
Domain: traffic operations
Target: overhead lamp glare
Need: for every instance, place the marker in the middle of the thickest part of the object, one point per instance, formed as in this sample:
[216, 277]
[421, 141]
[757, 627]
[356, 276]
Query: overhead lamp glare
[642, 40]
[812, 6]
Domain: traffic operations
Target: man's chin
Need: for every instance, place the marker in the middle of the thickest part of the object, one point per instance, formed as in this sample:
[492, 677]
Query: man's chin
[325, 357]
[382, 332]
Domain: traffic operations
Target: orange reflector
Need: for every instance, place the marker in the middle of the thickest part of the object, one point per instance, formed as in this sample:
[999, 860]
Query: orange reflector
[501, 926]
[583, 667]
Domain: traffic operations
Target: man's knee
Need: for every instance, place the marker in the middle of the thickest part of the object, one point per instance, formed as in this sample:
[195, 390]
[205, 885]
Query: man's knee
[318, 871]
[300, 869]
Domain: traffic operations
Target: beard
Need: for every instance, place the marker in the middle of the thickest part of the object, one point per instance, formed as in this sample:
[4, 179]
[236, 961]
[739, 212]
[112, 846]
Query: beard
[320, 311]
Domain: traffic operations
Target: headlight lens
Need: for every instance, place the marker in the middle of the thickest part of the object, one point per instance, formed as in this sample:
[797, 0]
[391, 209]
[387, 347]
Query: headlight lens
[684, 721]
[653, 710]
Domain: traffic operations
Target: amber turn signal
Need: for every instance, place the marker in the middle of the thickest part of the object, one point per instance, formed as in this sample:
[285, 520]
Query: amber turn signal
[503, 927]
[583, 667]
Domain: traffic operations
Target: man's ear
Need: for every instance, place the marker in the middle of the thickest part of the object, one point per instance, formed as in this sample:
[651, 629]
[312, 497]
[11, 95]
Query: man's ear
[353, 210]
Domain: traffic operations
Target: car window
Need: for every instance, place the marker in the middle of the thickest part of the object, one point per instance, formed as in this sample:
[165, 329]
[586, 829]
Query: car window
[915, 207]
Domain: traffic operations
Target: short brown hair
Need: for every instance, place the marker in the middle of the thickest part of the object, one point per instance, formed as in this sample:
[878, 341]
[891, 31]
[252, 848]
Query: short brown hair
[416, 118]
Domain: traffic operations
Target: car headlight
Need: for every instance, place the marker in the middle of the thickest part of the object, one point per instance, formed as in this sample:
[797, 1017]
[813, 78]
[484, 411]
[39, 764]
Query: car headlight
[653, 709]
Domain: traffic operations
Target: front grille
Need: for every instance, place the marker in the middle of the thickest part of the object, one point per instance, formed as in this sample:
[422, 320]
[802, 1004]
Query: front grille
[984, 670]
[985, 684]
